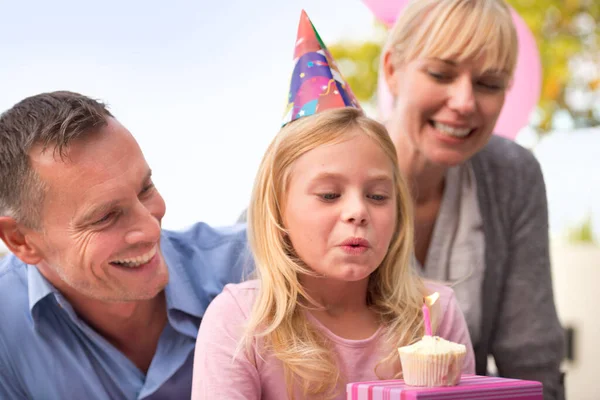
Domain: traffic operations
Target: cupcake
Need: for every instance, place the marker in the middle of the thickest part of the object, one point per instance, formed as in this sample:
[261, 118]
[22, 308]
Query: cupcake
[432, 361]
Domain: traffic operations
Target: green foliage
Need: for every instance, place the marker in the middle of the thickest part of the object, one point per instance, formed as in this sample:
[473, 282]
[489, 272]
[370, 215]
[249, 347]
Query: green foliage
[583, 233]
[359, 63]
[567, 33]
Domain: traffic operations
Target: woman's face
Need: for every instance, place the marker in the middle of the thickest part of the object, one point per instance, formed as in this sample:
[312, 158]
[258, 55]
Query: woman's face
[444, 111]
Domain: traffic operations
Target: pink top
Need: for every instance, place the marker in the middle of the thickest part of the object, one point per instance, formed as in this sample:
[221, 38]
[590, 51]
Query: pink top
[219, 373]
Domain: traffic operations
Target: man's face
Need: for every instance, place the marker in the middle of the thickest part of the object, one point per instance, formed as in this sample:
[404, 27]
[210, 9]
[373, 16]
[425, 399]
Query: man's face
[100, 219]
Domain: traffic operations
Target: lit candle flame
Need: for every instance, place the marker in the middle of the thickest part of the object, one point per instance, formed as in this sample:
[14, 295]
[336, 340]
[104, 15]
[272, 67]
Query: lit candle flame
[432, 298]
[429, 301]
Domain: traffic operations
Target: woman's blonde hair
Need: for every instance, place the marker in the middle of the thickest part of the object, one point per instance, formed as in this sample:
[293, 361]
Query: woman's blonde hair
[457, 30]
[278, 316]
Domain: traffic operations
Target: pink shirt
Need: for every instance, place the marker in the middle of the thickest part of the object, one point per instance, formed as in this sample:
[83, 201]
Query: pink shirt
[219, 373]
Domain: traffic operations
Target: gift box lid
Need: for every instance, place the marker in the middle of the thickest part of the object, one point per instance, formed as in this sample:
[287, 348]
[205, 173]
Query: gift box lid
[470, 387]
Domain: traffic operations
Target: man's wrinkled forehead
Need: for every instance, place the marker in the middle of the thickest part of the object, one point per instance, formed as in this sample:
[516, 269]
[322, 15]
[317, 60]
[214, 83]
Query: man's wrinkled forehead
[102, 163]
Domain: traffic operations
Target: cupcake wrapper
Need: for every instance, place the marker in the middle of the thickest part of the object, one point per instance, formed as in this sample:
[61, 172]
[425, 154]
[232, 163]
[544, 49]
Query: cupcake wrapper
[431, 369]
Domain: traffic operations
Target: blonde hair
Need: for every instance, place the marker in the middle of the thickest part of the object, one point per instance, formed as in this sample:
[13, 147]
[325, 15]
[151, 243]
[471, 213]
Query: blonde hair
[458, 30]
[278, 317]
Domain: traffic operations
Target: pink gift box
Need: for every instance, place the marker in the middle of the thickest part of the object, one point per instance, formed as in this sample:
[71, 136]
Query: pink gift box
[470, 387]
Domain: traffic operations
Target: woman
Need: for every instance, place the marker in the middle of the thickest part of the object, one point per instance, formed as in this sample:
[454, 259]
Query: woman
[481, 218]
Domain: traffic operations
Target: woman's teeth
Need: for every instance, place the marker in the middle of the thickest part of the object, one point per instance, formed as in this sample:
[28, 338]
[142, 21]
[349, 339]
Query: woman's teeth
[451, 131]
[136, 261]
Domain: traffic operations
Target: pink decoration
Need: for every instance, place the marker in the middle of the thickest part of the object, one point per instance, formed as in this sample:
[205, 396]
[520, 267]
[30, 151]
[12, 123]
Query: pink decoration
[526, 89]
[386, 11]
[426, 320]
[470, 387]
[521, 98]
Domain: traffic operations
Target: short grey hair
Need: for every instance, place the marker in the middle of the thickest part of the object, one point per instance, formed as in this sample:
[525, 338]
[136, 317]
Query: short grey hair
[51, 120]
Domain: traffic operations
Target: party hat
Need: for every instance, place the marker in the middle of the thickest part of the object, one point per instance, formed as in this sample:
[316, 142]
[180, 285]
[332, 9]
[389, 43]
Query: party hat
[316, 83]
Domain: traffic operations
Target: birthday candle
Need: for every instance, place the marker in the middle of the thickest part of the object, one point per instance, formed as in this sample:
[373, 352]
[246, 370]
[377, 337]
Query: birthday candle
[429, 302]
[426, 320]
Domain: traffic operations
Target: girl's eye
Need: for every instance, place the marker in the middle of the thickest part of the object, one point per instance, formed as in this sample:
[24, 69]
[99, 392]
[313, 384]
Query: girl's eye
[329, 196]
[378, 197]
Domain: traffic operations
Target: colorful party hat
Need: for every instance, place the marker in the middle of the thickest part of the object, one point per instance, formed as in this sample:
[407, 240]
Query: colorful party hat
[316, 83]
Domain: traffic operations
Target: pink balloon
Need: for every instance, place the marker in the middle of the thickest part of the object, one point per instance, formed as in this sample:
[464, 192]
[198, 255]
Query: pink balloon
[521, 98]
[386, 11]
[526, 89]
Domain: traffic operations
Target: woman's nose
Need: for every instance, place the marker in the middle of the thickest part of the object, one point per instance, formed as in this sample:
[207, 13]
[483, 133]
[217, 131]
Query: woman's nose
[462, 96]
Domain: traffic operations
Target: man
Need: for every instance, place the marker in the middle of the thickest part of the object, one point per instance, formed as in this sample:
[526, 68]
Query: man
[96, 301]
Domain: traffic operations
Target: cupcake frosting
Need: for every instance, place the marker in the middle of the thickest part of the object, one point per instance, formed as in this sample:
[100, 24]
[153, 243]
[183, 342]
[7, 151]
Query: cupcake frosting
[432, 361]
[434, 345]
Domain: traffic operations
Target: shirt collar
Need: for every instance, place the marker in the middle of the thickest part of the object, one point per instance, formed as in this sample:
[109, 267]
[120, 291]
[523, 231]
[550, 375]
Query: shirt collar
[179, 292]
[39, 288]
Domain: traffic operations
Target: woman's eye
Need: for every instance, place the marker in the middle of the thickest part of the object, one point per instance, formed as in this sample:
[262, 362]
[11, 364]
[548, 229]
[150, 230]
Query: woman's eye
[439, 76]
[491, 86]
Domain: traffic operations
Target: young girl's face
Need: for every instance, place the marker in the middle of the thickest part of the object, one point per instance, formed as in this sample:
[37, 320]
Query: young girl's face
[341, 208]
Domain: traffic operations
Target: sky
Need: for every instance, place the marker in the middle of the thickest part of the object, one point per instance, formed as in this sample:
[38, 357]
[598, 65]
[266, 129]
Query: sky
[202, 87]
[200, 84]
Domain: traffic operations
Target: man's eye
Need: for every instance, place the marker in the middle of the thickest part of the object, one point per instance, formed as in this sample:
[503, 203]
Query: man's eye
[147, 188]
[106, 218]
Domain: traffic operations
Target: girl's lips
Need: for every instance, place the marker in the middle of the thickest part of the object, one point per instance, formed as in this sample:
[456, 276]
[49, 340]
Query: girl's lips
[355, 245]
[354, 250]
[356, 242]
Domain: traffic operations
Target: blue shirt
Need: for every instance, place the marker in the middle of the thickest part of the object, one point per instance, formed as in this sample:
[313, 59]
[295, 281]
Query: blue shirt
[47, 352]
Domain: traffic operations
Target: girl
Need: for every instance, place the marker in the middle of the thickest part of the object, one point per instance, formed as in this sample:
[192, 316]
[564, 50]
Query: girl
[330, 227]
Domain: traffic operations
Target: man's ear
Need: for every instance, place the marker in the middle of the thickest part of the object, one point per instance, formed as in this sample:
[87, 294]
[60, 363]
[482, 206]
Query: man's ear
[15, 238]
[389, 72]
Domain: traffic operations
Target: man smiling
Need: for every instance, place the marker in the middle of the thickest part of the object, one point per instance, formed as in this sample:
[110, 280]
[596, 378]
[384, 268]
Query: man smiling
[96, 300]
